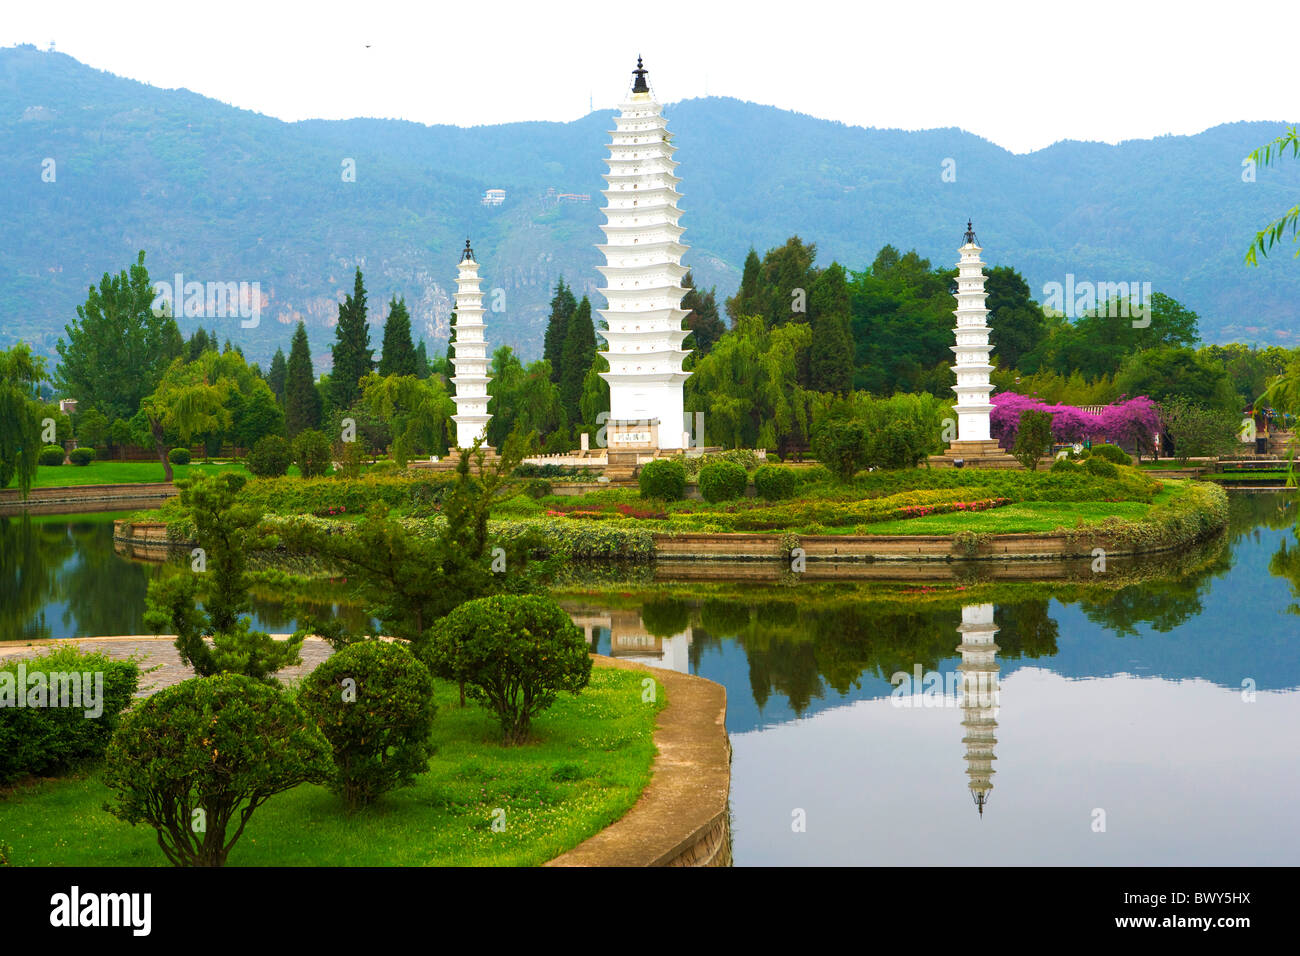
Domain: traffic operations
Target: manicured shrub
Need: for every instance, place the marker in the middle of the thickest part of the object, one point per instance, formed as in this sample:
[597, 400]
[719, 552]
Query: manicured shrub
[373, 700]
[900, 444]
[195, 755]
[81, 456]
[1065, 464]
[1101, 467]
[537, 488]
[179, 456]
[270, 457]
[311, 450]
[843, 446]
[773, 482]
[722, 481]
[514, 653]
[385, 466]
[351, 459]
[663, 478]
[51, 455]
[1111, 453]
[73, 717]
[1033, 437]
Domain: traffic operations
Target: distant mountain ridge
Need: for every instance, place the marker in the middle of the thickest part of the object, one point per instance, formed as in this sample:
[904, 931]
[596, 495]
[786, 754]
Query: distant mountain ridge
[222, 194]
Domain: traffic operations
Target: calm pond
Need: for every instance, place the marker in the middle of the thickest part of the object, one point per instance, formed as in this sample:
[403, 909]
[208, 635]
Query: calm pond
[1156, 723]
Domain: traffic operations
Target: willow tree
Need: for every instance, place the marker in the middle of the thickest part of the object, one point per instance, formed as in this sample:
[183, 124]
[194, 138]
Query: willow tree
[748, 386]
[20, 422]
[417, 410]
[1289, 221]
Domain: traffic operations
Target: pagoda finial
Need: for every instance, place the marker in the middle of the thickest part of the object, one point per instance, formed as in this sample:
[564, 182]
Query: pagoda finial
[468, 254]
[640, 85]
[970, 233]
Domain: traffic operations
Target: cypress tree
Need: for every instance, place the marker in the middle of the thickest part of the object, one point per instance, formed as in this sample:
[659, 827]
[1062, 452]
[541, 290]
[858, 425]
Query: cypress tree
[399, 356]
[745, 301]
[579, 352]
[563, 305]
[702, 318]
[353, 356]
[831, 362]
[422, 367]
[276, 377]
[302, 405]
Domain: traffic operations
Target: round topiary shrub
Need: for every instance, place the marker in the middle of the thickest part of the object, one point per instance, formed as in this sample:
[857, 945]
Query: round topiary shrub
[1111, 453]
[537, 488]
[1065, 464]
[374, 702]
[774, 483]
[311, 450]
[1101, 467]
[663, 478]
[722, 481]
[270, 457]
[179, 456]
[192, 757]
[514, 653]
[81, 456]
[51, 455]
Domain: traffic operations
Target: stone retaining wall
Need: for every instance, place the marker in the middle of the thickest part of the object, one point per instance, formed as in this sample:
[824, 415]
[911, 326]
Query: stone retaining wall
[81, 499]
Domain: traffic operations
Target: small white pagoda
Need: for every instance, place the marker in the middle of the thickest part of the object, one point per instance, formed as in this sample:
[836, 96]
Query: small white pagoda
[974, 444]
[471, 378]
[979, 697]
[643, 273]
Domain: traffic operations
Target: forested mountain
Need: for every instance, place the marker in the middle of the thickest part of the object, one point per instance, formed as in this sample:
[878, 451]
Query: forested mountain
[227, 195]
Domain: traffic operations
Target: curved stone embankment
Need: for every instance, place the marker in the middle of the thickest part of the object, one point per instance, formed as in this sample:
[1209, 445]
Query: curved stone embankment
[680, 819]
[83, 499]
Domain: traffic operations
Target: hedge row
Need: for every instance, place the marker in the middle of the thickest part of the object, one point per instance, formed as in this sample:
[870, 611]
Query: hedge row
[50, 737]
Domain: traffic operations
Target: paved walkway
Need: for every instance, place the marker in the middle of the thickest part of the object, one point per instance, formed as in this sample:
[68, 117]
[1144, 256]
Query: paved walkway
[161, 652]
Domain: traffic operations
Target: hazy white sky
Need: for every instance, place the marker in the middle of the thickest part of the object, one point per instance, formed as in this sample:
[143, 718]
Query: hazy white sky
[1023, 75]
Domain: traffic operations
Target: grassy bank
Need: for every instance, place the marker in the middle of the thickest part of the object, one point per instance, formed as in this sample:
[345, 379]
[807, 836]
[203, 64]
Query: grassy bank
[589, 762]
[121, 473]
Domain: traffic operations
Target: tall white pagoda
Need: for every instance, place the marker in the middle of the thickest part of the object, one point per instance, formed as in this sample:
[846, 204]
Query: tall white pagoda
[643, 271]
[974, 444]
[471, 378]
[979, 697]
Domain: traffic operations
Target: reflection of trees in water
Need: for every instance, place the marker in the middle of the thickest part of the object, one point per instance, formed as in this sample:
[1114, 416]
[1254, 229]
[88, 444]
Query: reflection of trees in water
[1286, 564]
[31, 554]
[799, 648]
[104, 593]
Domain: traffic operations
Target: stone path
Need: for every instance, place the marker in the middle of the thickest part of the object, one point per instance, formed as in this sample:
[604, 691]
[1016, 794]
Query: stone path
[161, 652]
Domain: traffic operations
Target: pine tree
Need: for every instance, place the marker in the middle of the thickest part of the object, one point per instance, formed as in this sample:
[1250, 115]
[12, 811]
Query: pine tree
[276, 377]
[563, 305]
[353, 356]
[422, 368]
[579, 352]
[399, 355]
[302, 405]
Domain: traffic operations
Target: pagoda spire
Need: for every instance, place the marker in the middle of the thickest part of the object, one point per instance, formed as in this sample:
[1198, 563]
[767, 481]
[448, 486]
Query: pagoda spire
[639, 86]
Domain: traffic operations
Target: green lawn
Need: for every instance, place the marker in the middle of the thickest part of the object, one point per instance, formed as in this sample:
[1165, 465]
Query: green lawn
[120, 473]
[1013, 519]
[589, 762]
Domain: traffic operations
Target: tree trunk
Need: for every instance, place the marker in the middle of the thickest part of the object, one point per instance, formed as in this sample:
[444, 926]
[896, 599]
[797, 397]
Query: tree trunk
[162, 451]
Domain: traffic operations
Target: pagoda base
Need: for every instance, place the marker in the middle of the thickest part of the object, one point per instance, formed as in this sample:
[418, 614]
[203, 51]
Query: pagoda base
[451, 461]
[974, 454]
